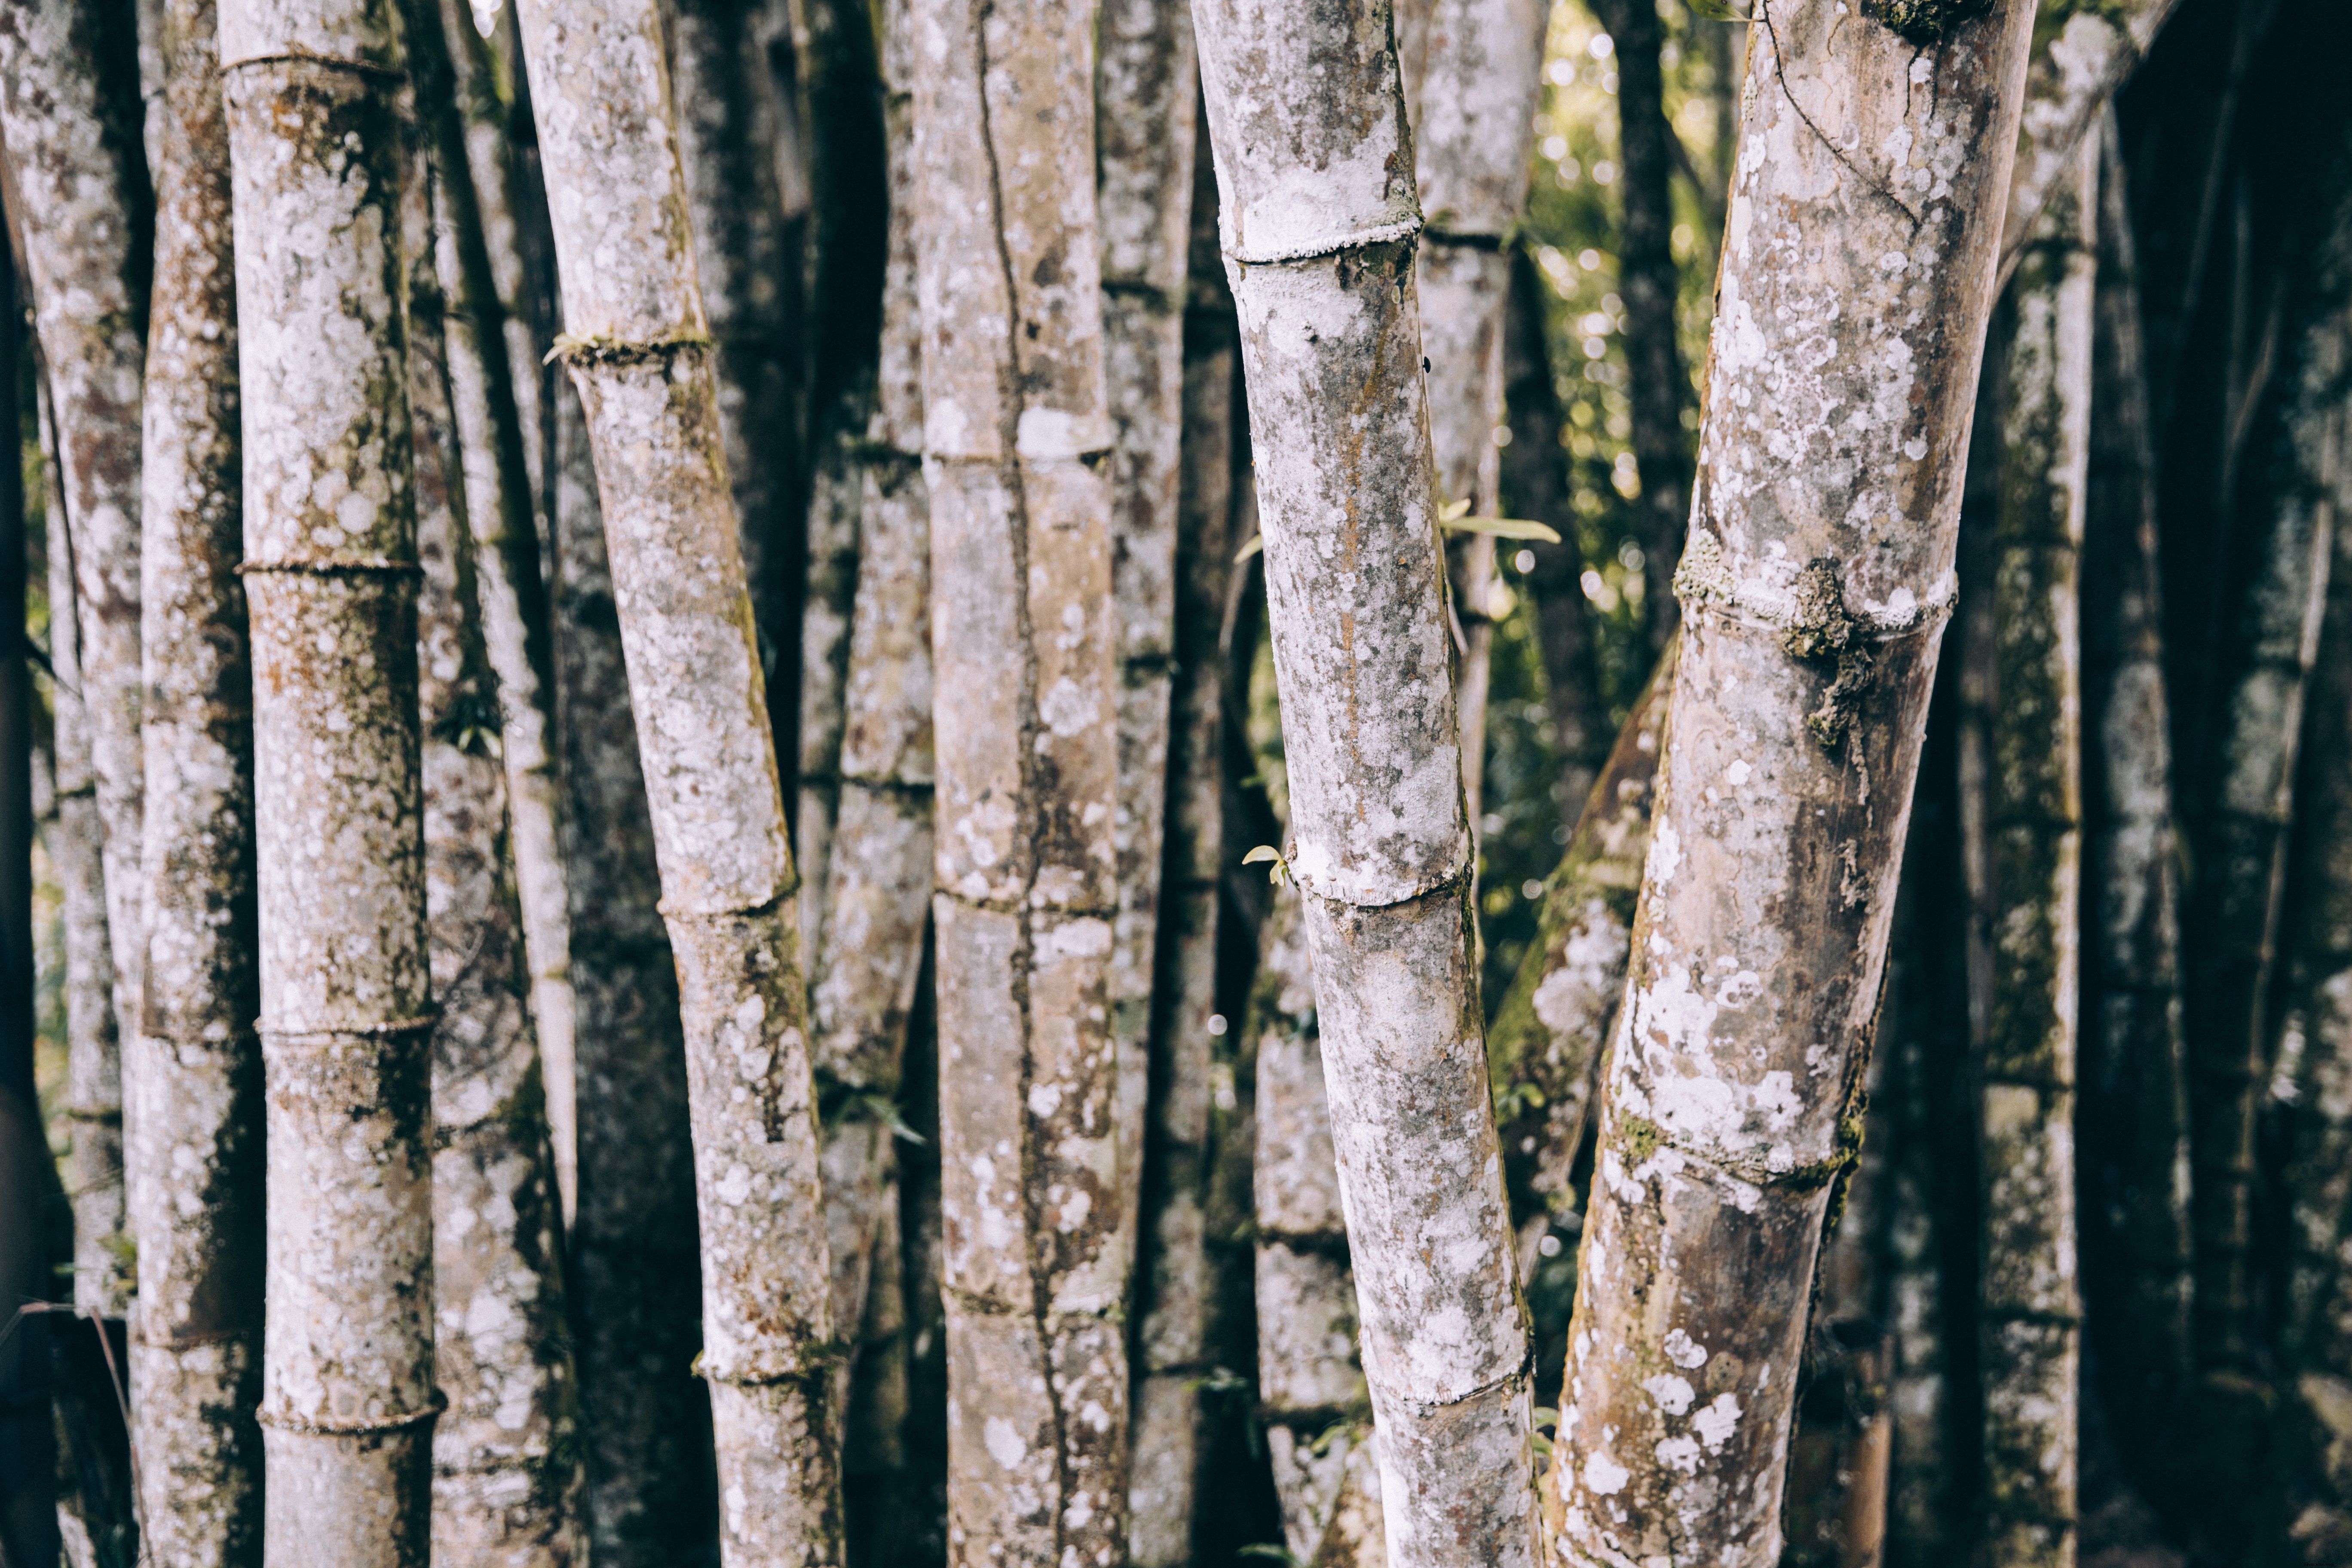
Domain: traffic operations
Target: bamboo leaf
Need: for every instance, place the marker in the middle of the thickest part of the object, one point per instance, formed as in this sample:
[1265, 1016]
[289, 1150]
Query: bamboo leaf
[1451, 511]
[1500, 527]
[1256, 542]
[1263, 853]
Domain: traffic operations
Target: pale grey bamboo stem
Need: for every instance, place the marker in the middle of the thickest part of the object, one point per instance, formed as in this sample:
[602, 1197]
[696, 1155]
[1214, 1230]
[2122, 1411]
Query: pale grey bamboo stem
[103, 1274]
[348, 1401]
[1023, 639]
[1147, 84]
[1813, 592]
[505, 1467]
[1319, 1436]
[192, 1112]
[1318, 214]
[2030, 1329]
[71, 129]
[639, 351]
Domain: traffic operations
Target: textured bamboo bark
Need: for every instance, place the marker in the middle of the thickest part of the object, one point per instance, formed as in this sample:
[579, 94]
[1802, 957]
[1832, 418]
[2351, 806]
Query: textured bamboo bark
[2082, 55]
[1472, 69]
[348, 1401]
[2134, 1117]
[1318, 1433]
[103, 1274]
[193, 1113]
[640, 354]
[1813, 592]
[636, 1274]
[734, 137]
[1023, 636]
[2027, 694]
[2232, 921]
[505, 1475]
[1198, 1178]
[1544, 1050]
[471, 209]
[879, 873]
[71, 122]
[1535, 485]
[1647, 281]
[1318, 217]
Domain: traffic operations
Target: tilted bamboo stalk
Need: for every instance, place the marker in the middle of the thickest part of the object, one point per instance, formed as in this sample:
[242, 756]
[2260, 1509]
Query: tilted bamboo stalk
[1657, 386]
[1543, 1053]
[2082, 55]
[349, 1402]
[1147, 87]
[1318, 216]
[2030, 1323]
[101, 1274]
[489, 408]
[640, 354]
[2134, 1118]
[193, 1113]
[70, 123]
[505, 1468]
[1318, 1434]
[879, 866]
[1023, 639]
[1812, 593]
[1535, 485]
[1472, 70]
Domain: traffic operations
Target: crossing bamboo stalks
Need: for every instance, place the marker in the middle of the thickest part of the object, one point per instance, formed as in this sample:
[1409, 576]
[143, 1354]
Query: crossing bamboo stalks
[348, 1402]
[1023, 638]
[1813, 592]
[70, 125]
[505, 1476]
[193, 1112]
[1318, 216]
[640, 353]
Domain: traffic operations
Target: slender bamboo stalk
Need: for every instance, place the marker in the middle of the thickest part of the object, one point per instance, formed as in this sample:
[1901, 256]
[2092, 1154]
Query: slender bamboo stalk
[471, 208]
[1543, 1053]
[1318, 217]
[1319, 1435]
[1023, 639]
[71, 122]
[504, 1474]
[2030, 1325]
[879, 873]
[639, 352]
[1535, 485]
[348, 1401]
[634, 1256]
[1812, 609]
[1472, 70]
[1649, 281]
[193, 1115]
[2134, 1117]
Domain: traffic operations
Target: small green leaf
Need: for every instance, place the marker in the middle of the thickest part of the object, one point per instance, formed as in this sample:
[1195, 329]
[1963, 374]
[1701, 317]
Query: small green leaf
[1261, 853]
[1502, 528]
[1271, 1553]
[1453, 509]
[1256, 542]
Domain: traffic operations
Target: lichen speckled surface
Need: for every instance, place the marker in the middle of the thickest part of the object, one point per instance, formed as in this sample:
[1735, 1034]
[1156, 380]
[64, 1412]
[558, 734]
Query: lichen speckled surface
[193, 1169]
[71, 131]
[1857, 275]
[638, 351]
[1319, 218]
[1025, 641]
[349, 1399]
